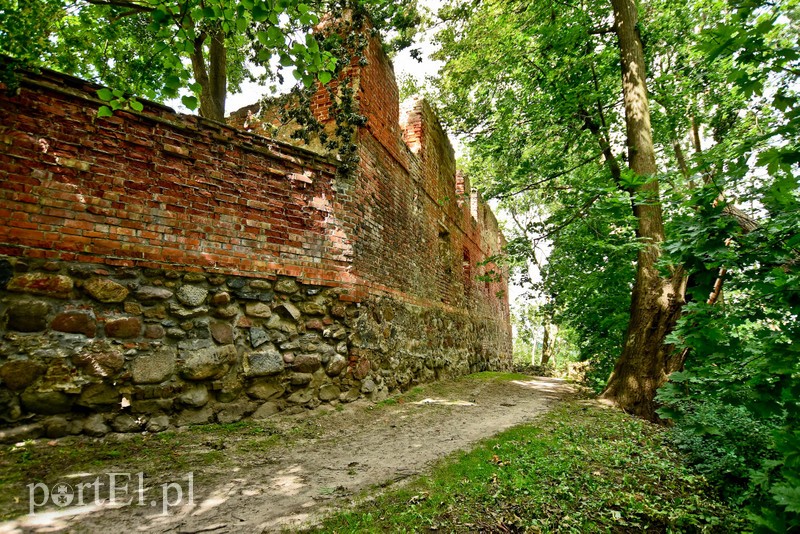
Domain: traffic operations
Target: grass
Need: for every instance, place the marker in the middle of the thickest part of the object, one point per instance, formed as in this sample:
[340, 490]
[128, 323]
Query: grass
[418, 393]
[580, 468]
[497, 376]
[153, 454]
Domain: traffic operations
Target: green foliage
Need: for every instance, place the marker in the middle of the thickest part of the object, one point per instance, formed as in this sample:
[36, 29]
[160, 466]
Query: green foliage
[158, 49]
[24, 27]
[589, 276]
[527, 322]
[535, 88]
[724, 443]
[536, 92]
[743, 362]
[579, 468]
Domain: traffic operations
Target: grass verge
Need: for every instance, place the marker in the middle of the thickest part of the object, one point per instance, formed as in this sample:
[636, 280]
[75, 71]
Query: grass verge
[200, 447]
[418, 393]
[497, 376]
[580, 468]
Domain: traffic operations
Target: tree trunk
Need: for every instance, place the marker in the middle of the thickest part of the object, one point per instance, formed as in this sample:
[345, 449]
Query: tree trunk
[645, 362]
[213, 79]
[548, 344]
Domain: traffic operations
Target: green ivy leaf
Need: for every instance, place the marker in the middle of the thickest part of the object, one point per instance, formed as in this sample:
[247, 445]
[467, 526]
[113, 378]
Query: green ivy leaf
[136, 105]
[324, 76]
[105, 94]
[104, 111]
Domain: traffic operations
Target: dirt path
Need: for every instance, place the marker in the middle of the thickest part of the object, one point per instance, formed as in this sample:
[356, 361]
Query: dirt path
[355, 449]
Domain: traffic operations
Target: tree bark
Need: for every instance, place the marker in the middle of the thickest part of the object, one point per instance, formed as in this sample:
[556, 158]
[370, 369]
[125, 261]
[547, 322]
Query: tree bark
[681, 159]
[548, 343]
[646, 361]
[214, 78]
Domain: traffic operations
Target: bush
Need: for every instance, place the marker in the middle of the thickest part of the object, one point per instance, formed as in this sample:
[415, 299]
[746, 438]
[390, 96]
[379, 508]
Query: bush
[724, 443]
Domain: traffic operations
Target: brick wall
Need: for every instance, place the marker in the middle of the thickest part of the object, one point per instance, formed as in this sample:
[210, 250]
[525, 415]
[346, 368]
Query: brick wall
[413, 210]
[158, 188]
[163, 258]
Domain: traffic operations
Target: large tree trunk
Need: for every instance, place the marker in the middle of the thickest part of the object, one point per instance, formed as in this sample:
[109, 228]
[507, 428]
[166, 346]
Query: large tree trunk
[645, 362]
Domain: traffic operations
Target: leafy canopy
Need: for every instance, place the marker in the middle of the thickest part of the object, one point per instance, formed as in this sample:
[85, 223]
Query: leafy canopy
[535, 89]
[157, 48]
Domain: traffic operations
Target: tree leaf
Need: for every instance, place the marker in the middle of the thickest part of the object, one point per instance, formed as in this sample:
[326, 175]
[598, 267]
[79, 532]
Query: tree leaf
[172, 82]
[275, 36]
[286, 60]
[190, 102]
[241, 24]
[787, 496]
[105, 94]
[104, 111]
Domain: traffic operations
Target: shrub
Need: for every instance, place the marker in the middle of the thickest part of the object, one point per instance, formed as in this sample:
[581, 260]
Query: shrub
[724, 443]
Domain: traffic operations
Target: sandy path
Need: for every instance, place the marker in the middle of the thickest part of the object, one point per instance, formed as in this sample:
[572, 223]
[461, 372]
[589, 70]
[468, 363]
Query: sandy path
[356, 449]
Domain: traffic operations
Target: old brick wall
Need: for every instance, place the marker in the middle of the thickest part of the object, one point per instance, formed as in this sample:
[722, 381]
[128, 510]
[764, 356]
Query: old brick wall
[159, 269]
[420, 223]
[158, 189]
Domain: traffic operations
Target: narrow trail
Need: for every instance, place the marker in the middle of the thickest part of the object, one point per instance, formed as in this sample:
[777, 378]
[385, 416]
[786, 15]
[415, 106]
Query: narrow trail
[359, 448]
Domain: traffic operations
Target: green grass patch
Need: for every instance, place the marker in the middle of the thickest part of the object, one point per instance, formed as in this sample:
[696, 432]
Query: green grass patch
[496, 375]
[580, 468]
[239, 427]
[418, 393]
[413, 394]
[168, 452]
[391, 401]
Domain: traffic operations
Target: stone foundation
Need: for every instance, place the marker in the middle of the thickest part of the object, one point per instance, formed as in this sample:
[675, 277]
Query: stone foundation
[92, 348]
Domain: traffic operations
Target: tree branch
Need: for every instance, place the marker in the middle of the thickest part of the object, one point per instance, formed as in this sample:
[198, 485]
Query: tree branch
[133, 6]
[605, 146]
[553, 176]
[572, 218]
[602, 30]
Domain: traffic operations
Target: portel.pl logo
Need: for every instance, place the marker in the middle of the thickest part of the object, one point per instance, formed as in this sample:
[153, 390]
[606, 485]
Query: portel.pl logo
[112, 489]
